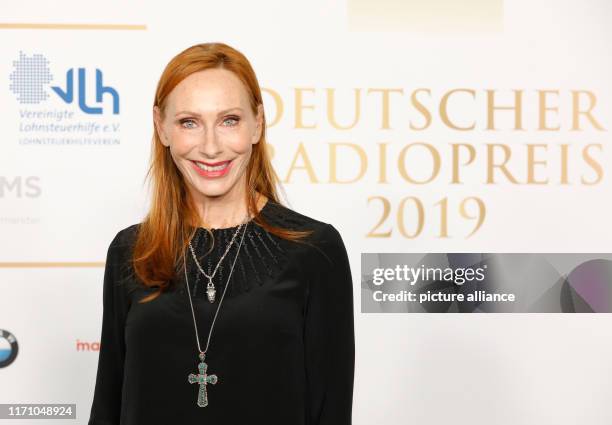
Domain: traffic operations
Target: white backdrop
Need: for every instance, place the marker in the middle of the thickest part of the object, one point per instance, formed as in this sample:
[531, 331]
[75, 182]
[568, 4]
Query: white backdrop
[62, 203]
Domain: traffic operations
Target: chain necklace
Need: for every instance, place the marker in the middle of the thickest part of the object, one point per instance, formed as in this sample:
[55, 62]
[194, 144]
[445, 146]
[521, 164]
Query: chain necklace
[210, 288]
[203, 378]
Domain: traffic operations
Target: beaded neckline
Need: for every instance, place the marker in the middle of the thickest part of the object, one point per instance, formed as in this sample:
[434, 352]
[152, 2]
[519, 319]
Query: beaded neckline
[233, 228]
[261, 257]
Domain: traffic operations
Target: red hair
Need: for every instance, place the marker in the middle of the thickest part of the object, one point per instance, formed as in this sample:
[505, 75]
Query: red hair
[165, 232]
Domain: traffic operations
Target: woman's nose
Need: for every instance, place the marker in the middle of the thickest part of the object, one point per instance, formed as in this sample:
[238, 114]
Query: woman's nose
[209, 143]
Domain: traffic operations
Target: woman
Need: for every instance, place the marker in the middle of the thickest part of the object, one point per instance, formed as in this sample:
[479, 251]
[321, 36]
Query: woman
[222, 307]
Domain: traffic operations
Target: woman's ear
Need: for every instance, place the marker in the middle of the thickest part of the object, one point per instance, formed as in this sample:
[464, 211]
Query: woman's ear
[258, 124]
[157, 120]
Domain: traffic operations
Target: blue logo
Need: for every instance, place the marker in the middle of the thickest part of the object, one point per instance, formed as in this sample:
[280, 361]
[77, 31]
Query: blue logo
[8, 348]
[31, 76]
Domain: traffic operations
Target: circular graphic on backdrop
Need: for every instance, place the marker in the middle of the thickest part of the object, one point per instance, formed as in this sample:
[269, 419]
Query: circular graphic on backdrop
[8, 348]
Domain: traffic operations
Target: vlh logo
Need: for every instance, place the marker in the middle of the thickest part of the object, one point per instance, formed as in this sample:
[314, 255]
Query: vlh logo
[31, 76]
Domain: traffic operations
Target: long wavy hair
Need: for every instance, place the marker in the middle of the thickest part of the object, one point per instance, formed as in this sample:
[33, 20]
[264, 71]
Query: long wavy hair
[165, 232]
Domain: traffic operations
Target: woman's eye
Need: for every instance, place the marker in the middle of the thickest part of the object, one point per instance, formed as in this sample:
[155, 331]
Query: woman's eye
[183, 122]
[232, 121]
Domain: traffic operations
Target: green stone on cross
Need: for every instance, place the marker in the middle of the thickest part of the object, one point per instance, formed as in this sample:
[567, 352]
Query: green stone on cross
[203, 380]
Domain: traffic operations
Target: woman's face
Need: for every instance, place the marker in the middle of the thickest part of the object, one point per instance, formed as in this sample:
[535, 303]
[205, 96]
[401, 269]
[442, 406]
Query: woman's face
[210, 129]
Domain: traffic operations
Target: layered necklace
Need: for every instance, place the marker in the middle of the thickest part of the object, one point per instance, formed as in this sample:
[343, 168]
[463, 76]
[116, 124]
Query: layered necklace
[210, 287]
[202, 378]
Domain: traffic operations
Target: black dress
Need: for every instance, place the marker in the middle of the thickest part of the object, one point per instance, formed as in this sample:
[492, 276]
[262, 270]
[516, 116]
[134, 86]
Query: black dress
[283, 344]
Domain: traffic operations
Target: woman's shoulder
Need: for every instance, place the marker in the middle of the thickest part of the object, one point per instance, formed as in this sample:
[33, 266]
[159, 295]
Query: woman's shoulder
[325, 237]
[288, 217]
[125, 237]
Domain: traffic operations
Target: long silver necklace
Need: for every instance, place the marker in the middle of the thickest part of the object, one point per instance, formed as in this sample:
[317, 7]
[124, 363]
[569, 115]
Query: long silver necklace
[203, 378]
[210, 287]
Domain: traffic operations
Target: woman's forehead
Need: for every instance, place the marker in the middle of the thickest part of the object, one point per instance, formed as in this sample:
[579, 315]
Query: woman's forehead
[210, 91]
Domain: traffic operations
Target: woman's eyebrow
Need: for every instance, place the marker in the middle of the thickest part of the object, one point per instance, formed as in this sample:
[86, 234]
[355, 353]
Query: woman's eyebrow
[218, 113]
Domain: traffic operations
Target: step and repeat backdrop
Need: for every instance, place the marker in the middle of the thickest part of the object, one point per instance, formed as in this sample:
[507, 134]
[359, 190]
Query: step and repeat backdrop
[460, 148]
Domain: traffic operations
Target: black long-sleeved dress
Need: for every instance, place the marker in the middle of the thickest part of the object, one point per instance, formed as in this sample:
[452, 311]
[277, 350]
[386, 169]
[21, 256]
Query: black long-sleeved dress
[283, 344]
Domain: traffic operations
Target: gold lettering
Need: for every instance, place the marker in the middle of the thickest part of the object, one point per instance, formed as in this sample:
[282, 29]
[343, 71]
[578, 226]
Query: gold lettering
[401, 164]
[544, 108]
[491, 163]
[299, 106]
[444, 112]
[531, 163]
[331, 108]
[301, 152]
[333, 162]
[564, 158]
[456, 164]
[517, 108]
[593, 163]
[421, 108]
[382, 171]
[385, 104]
[577, 112]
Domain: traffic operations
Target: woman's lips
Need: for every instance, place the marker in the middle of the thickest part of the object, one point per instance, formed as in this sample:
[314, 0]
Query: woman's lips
[212, 173]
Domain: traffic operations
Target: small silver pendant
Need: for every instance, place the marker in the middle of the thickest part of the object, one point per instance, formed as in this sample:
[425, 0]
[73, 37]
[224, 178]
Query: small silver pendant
[210, 291]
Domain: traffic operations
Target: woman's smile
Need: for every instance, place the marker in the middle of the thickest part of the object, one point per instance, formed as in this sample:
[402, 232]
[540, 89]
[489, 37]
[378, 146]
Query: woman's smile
[219, 169]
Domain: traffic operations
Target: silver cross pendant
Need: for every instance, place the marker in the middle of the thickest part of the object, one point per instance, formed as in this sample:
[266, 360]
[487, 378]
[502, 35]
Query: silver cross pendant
[202, 379]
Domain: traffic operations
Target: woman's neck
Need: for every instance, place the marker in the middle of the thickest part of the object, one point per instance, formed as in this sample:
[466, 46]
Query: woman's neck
[223, 214]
